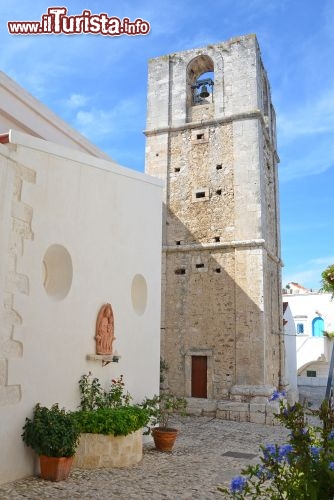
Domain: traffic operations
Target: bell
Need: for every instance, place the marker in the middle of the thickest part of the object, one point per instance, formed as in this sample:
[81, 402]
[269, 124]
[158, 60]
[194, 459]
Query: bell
[204, 92]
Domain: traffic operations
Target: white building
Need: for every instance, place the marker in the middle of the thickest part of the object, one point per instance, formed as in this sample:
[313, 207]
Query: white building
[313, 313]
[76, 231]
[290, 353]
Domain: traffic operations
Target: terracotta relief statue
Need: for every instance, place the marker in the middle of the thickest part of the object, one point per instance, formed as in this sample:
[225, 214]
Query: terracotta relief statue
[104, 334]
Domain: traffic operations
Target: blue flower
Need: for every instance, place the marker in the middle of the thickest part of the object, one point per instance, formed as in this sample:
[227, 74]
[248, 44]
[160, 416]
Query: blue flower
[277, 395]
[284, 451]
[270, 451]
[315, 451]
[331, 465]
[237, 484]
[331, 435]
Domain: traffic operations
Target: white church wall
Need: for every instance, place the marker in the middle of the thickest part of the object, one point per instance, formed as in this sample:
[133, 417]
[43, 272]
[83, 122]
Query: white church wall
[109, 221]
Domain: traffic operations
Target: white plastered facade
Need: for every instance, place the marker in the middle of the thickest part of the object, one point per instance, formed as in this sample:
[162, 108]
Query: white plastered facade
[312, 352]
[103, 223]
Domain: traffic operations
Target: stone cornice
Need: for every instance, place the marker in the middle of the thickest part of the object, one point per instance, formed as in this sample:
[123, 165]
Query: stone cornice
[254, 243]
[250, 115]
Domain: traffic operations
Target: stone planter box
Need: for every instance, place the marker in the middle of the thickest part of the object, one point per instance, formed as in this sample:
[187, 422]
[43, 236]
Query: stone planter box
[98, 450]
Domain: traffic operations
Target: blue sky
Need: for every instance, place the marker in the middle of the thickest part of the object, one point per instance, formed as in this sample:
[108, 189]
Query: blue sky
[98, 85]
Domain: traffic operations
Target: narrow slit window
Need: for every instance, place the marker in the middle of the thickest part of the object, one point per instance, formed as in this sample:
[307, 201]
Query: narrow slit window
[200, 266]
[180, 271]
[200, 194]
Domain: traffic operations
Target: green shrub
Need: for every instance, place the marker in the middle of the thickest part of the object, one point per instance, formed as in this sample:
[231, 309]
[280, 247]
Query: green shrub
[160, 407]
[327, 280]
[51, 432]
[116, 421]
[94, 397]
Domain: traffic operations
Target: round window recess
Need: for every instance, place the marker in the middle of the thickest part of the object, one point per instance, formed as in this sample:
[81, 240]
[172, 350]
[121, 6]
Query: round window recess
[57, 272]
[139, 294]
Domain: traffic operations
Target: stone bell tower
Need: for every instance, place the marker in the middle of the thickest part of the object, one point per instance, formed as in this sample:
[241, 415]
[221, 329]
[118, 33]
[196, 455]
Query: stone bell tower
[211, 137]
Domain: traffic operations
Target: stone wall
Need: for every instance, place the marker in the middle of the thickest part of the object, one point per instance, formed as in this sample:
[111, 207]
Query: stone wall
[98, 450]
[16, 228]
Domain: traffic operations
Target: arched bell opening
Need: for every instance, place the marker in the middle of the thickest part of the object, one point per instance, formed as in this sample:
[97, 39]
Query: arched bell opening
[200, 81]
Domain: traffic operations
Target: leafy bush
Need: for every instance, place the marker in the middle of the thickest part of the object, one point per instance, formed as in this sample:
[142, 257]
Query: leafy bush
[93, 396]
[302, 469]
[161, 407]
[327, 280]
[51, 432]
[108, 412]
[119, 421]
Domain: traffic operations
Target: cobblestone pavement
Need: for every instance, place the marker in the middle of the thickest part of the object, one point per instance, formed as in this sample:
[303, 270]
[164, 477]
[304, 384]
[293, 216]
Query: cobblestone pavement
[193, 470]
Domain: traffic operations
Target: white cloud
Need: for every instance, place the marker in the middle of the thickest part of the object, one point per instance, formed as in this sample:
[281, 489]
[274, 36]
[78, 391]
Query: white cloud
[77, 101]
[310, 275]
[305, 137]
[316, 117]
[96, 122]
[312, 160]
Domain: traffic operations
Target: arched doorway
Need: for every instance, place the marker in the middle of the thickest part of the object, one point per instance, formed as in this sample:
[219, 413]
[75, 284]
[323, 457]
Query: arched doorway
[318, 327]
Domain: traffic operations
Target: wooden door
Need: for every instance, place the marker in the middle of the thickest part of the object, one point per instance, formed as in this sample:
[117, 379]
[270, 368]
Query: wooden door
[199, 366]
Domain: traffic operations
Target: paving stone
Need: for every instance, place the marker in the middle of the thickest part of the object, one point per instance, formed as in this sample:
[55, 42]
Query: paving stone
[193, 470]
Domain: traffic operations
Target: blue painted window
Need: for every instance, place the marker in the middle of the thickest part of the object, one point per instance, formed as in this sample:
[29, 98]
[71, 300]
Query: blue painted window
[318, 327]
[300, 328]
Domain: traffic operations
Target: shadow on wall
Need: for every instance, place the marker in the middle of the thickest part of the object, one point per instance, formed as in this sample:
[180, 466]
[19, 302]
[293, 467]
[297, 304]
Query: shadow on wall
[208, 311]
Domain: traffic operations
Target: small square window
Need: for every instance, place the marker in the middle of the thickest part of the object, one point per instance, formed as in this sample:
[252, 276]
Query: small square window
[200, 194]
[199, 136]
[219, 167]
[311, 373]
[219, 192]
[300, 328]
[177, 169]
[180, 271]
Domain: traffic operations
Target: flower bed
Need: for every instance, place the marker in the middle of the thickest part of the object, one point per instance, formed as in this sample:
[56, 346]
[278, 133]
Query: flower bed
[302, 469]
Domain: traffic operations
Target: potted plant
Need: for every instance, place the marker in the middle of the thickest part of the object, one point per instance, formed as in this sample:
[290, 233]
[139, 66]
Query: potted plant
[160, 408]
[53, 435]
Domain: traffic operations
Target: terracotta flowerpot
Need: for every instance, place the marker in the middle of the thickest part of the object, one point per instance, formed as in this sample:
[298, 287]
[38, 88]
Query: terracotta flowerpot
[164, 438]
[55, 468]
